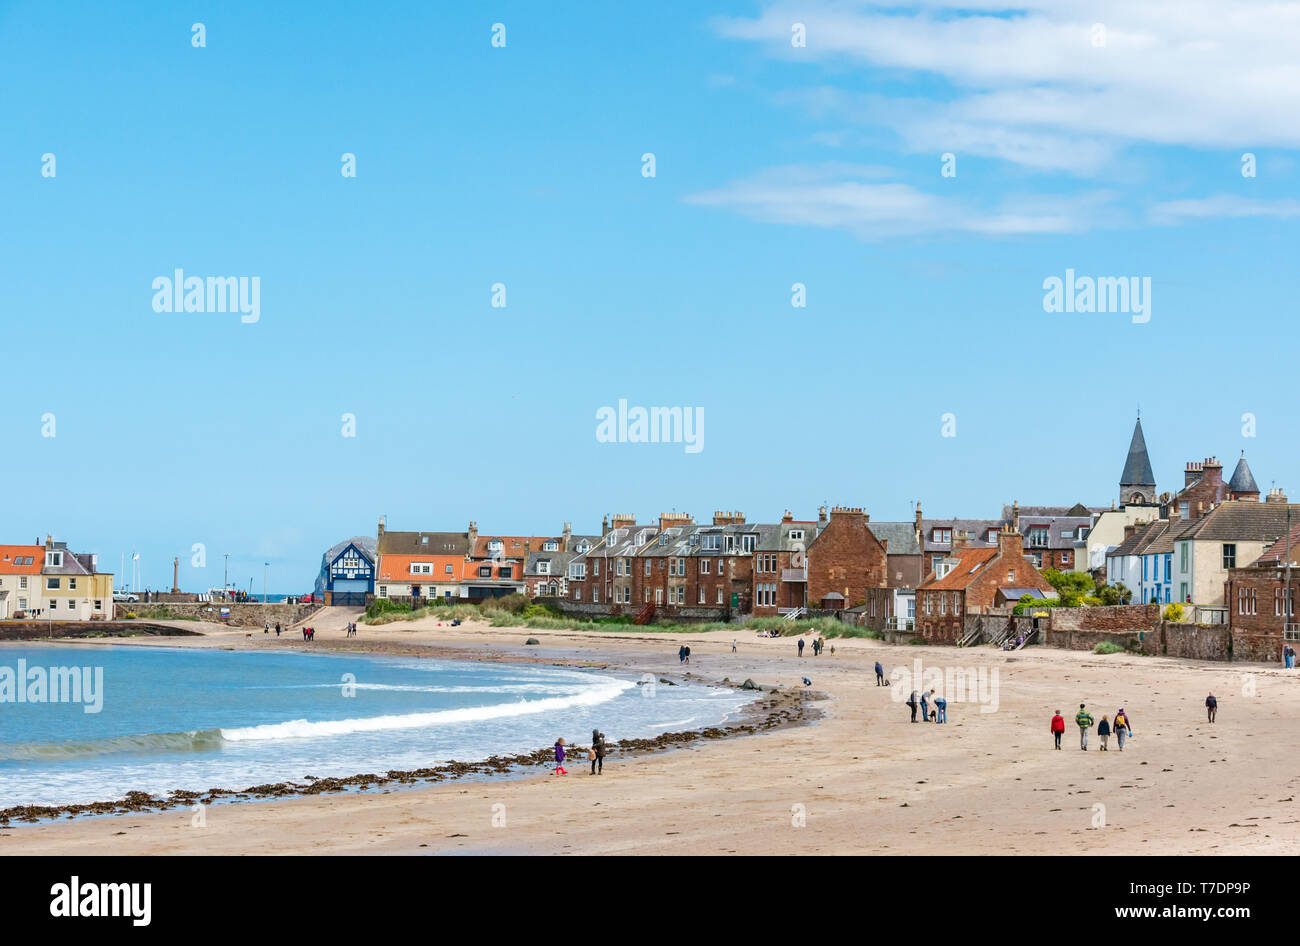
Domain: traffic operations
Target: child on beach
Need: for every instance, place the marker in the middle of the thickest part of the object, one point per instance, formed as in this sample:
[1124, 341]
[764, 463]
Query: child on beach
[1103, 732]
[559, 757]
[1058, 728]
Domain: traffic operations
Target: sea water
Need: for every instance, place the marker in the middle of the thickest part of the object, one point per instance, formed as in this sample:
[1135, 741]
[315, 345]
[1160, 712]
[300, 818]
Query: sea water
[197, 719]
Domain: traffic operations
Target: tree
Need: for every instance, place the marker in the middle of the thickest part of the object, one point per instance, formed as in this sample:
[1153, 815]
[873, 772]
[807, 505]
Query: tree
[1071, 587]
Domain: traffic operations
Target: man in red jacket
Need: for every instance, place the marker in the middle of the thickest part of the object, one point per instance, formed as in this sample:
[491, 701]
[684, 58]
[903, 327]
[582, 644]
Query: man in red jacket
[1058, 727]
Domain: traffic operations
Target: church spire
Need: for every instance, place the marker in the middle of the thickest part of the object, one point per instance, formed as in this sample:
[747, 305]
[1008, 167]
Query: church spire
[1137, 484]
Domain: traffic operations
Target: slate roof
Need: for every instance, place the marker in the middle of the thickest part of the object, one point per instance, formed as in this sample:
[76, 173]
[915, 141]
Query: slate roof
[978, 530]
[1137, 468]
[1146, 534]
[1242, 481]
[424, 543]
[1078, 509]
[901, 536]
[1244, 520]
[778, 539]
[1061, 530]
[1276, 554]
[366, 543]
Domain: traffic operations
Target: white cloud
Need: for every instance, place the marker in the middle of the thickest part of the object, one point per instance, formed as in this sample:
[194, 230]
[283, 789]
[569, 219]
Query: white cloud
[859, 200]
[1222, 205]
[1022, 81]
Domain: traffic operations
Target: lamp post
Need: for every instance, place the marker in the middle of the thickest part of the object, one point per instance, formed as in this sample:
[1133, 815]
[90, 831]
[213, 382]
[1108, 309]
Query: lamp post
[225, 577]
[265, 566]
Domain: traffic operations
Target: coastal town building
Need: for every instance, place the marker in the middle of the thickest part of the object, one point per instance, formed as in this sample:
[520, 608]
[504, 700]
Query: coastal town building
[781, 566]
[416, 566]
[1233, 533]
[20, 580]
[967, 581]
[1260, 600]
[546, 568]
[347, 575]
[72, 587]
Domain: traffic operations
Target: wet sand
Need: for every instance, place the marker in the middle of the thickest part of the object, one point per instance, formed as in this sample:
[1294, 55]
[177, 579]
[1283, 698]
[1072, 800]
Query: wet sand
[861, 779]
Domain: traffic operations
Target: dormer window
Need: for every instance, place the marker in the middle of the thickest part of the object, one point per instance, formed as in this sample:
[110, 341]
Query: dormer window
[992, 537]
[54, 559]
[796, 535]
[584, 547]
[941, 536]
[550, 546]
[495, 545]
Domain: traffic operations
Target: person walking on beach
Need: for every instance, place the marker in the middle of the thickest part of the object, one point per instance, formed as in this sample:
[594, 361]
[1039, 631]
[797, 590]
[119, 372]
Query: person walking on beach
[1083, 719]
[1103, 733]
[266, 627]
[688, 654]
[277, 628]
[940, 707]
[1122, 726]
[733, 645]
[925, 707]
[880, 674]
[1058, 728]
[1211, 706]
[911, 701]
[681, 654]
[801, 647]
[597, 753]
[559, 757]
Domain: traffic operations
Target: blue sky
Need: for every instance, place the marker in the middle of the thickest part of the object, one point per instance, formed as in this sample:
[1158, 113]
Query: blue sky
[522, 165]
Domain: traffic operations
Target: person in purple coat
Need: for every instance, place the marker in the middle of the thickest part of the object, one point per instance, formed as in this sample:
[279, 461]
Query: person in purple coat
[559, 757]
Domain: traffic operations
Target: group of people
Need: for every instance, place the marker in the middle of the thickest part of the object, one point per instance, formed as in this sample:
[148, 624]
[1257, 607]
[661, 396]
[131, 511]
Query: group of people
[308, 633]
[1121, 727]
[683, 654]
[266, 628]
[352, 629]
[818, 646]
[595, 753]
[939, 714]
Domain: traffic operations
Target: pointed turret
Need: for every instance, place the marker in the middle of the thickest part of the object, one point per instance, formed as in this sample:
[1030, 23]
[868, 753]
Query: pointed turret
[1137, 484]
[1242, 485]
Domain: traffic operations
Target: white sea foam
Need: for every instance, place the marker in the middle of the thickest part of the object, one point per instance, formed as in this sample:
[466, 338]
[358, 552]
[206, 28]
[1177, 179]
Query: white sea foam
[604, 690]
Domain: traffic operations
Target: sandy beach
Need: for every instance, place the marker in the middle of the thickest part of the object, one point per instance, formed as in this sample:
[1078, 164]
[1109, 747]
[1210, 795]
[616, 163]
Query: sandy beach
[862, 779]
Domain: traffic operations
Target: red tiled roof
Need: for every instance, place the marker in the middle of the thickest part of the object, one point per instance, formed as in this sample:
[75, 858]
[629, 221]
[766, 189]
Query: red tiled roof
[398, 567]
[961, 575]
[10, 554]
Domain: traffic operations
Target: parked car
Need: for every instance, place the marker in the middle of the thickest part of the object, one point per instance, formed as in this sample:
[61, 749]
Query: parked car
[125, 596]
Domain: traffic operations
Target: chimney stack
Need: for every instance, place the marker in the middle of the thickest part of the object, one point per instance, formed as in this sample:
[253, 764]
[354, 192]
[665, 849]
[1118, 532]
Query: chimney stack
[472, 534]
[821, 516]
[568, 537]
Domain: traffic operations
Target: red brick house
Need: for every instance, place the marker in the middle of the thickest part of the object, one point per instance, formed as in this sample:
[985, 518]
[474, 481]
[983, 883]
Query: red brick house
[847, 564]
[1260, 599]
[967, 582]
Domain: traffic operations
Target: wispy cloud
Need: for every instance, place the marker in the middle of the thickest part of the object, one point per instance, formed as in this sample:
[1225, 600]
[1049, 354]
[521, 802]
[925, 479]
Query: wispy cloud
[1222, 205]
[1026, 81]
[861, 200]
